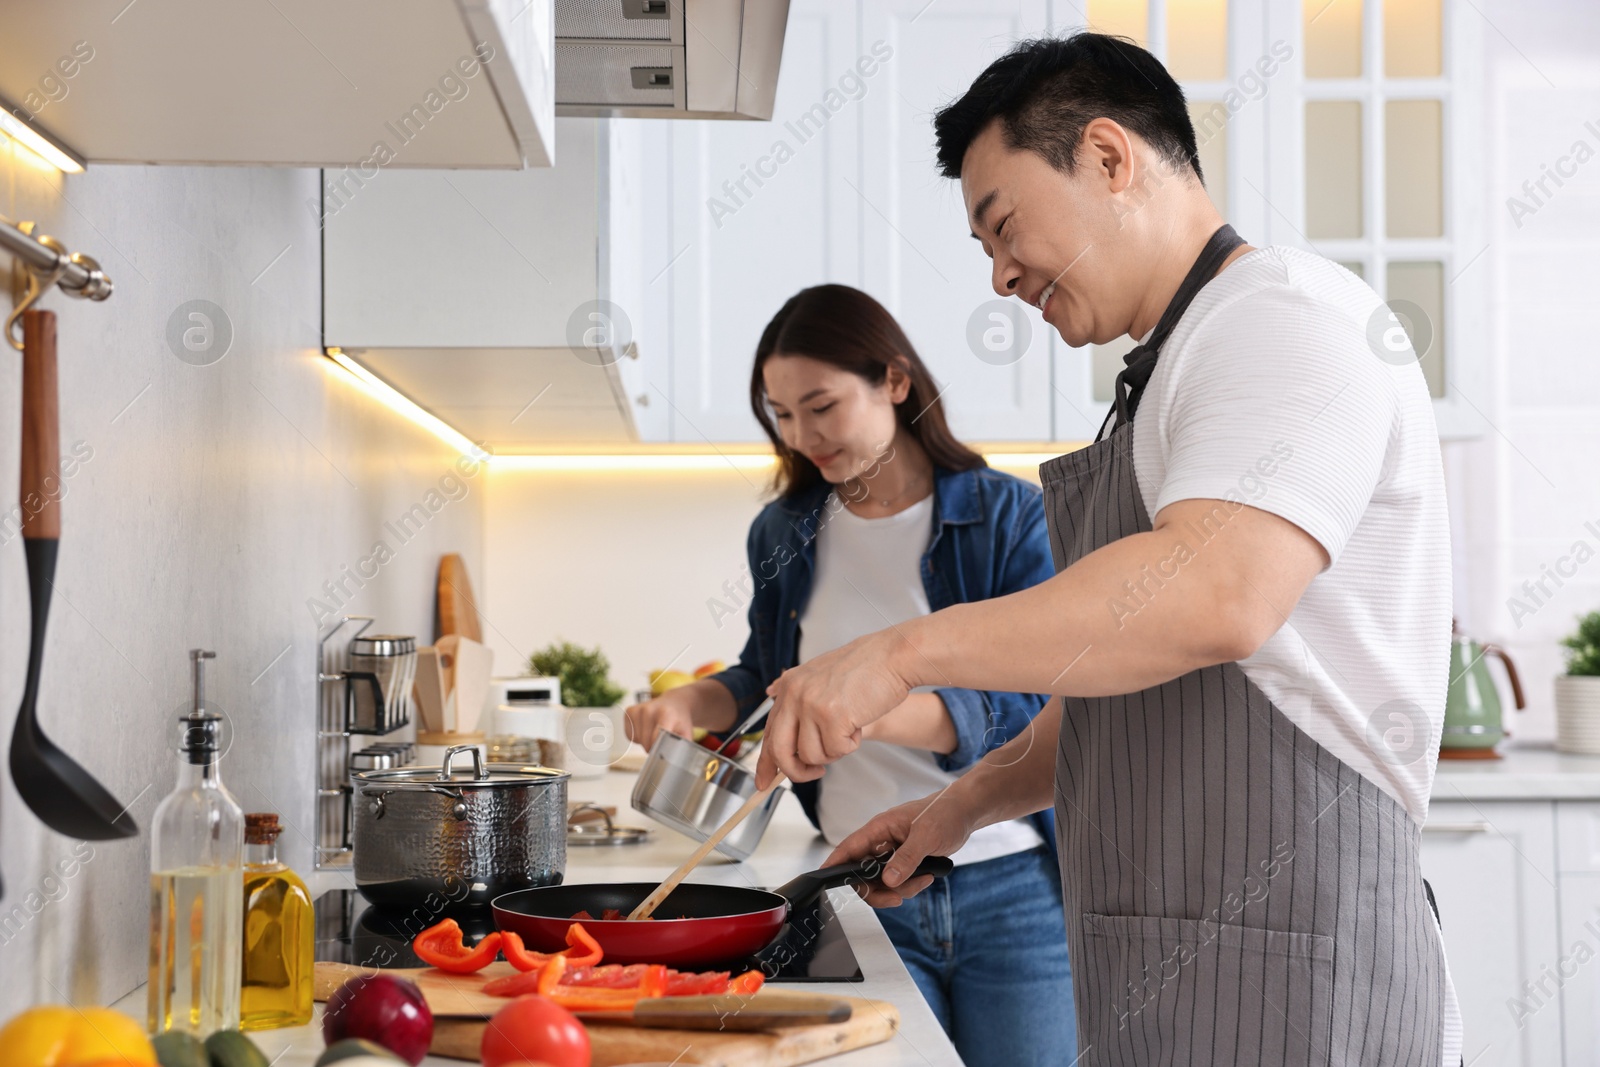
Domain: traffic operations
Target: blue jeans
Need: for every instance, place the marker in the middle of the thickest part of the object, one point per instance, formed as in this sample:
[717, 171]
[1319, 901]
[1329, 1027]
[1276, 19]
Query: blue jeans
[988, 948]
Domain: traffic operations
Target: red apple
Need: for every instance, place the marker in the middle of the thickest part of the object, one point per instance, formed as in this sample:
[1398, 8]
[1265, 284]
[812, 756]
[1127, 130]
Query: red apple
[381, 1008]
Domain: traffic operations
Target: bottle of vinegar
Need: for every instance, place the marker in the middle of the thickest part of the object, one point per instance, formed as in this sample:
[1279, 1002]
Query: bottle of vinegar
[279, 933]
[196, 863]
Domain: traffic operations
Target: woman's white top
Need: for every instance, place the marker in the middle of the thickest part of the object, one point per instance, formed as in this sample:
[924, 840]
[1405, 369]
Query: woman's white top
[869, 577]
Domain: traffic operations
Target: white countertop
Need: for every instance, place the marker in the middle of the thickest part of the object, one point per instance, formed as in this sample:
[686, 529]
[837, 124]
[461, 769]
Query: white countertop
[791, 845]
[1530, 772]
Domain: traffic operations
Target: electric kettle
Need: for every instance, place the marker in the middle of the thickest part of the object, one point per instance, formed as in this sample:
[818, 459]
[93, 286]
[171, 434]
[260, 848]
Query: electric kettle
[1473, 723]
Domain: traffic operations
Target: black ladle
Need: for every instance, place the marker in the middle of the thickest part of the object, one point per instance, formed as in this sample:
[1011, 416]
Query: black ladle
[62, 794]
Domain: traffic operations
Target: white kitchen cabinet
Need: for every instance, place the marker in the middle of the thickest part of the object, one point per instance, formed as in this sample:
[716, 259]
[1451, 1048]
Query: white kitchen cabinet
[365, 86]
[991, 355]
[1492, 865]
[1575, 972]
[841, 187]
[758, 211]
[505, 302]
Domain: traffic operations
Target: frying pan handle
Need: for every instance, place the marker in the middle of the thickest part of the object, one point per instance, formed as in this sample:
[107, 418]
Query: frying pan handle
[802, 891]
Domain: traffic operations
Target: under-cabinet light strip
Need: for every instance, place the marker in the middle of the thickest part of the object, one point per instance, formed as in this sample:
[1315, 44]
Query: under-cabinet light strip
[35, 140]
[398, 402]
[710, 459]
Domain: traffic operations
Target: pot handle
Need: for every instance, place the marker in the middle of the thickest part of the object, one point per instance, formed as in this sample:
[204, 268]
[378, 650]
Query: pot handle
[1511, 673]
[803, 890]
[450, 754]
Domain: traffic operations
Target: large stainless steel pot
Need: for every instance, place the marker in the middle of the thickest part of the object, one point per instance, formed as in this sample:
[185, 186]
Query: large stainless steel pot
[426, 833]
[693, 790]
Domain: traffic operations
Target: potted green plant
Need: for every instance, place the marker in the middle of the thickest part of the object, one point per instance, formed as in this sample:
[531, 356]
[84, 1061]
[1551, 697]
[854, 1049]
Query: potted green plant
[1578, 691]
[595, 738]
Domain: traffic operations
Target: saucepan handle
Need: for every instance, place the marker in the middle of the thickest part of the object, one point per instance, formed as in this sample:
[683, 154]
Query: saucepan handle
[802, 891]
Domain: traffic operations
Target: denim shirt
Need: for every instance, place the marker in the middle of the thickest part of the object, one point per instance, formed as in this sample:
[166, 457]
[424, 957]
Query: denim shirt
[989, 539]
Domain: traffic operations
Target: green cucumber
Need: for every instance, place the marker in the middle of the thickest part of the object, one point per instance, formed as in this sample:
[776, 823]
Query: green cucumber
[175, 1048]
[355, 1046]
[230, 1048]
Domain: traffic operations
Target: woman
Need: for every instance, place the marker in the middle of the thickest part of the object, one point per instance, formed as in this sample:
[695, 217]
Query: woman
[882, 515]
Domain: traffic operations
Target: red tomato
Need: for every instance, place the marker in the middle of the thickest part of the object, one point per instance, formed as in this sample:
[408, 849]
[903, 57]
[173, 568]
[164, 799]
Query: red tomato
[534, 1028]
[692, 984]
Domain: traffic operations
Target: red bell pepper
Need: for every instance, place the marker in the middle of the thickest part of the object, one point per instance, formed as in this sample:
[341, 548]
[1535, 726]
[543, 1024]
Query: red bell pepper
[748, 982]
[579, 938]
[652, 983]
[443, 946]
[550, 975]
[518, 955]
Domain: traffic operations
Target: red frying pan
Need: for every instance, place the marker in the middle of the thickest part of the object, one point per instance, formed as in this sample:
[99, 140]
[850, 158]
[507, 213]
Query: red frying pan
[696, 925]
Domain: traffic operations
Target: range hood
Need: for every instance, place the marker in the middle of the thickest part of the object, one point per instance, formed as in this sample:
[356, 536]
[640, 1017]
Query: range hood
[689, 59]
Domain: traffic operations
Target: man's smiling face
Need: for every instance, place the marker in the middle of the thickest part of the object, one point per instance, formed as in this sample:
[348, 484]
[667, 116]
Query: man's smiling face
[1057, 239]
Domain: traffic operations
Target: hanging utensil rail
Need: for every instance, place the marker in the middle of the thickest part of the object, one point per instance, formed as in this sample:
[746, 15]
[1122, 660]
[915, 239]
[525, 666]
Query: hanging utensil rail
[79, 275]
[40, 263]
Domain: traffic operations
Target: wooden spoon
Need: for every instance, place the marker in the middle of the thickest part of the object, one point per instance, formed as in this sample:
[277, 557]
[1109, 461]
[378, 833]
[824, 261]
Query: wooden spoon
[650, 903]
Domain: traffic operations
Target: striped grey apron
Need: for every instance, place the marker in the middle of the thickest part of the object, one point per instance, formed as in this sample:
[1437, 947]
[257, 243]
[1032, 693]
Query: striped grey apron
[1234, 893]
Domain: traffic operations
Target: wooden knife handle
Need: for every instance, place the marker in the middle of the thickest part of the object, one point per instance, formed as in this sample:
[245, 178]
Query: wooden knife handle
[739, 1013]
[41, 429]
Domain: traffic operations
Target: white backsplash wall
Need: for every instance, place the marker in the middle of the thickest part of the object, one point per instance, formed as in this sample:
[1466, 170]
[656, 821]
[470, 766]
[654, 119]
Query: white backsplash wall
[1527, 493]
[645, 564]
[218, 500]
[627, 560]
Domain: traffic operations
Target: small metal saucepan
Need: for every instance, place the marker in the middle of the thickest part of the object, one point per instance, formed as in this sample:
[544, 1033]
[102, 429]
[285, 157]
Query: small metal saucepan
[696, 925]
[467, 837]
[692, 789]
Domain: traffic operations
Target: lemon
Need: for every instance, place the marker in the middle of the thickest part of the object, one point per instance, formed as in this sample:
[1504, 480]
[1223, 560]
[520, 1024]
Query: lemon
[104, 1034]
[37, 1037]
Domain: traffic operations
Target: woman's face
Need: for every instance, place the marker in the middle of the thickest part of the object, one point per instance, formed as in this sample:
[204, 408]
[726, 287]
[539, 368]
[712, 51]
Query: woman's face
[836, 419]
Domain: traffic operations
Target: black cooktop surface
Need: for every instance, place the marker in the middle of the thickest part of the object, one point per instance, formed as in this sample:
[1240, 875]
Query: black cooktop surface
[812, 948]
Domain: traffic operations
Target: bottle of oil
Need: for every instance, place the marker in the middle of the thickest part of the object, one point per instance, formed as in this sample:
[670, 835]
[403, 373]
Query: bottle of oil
[279, 934]
[196, 862]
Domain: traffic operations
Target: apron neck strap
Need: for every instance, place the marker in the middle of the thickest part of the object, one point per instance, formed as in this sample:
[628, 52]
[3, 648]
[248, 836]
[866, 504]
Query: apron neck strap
[1140, 363]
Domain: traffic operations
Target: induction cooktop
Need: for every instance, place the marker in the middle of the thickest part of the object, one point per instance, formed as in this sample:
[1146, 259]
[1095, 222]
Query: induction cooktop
[812, 948]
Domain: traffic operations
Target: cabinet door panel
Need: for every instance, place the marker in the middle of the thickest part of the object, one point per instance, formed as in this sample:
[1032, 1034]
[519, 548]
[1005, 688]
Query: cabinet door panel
[1492, 868]
[1576, 972]
[760, 210]
[920, 259]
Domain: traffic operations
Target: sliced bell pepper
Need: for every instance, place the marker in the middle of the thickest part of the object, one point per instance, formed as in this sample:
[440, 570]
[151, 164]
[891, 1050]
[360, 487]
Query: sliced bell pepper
[518, 955]
[748, 982]
[652, 983]
[550, 974]
[579, 938]
[443, 946]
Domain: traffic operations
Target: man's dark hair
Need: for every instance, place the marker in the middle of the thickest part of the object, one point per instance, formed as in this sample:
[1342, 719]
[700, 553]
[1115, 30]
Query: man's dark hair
[1045, 91]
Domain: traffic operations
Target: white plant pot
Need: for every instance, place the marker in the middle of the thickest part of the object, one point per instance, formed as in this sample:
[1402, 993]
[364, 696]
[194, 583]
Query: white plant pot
[1578, 714]
[595, 740]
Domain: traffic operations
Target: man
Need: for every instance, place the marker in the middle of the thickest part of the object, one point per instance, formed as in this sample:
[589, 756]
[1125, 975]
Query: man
[1247, 638]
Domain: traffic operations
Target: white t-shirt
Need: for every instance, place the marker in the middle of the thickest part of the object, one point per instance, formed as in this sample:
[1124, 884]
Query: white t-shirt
[869, 577]
[1271, 391]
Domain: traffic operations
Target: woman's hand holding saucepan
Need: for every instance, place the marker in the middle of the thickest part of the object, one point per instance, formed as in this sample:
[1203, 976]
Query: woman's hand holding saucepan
[672, 711]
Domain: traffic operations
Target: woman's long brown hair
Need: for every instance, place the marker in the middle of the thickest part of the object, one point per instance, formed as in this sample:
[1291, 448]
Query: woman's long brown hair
[846, 328]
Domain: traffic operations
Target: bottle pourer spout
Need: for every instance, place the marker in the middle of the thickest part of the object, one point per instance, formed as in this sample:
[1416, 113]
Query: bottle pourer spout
[197, 661]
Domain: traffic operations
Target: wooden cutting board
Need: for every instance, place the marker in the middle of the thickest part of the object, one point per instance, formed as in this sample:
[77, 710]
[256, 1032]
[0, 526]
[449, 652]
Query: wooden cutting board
[460, 1007]
[458, 608]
